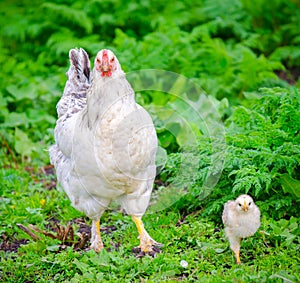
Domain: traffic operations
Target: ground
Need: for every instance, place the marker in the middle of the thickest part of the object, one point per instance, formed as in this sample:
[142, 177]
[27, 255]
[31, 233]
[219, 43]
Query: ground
[195, 247]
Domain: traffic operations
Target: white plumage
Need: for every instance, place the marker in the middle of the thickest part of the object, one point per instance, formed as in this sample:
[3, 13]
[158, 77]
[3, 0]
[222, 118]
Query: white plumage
[241, 219]
[105, 143]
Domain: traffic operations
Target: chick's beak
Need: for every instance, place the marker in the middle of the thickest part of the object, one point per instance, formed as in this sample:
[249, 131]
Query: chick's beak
[245, 206]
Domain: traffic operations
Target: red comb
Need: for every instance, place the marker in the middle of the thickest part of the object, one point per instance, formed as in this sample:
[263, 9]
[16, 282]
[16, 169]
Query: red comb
[104, 55]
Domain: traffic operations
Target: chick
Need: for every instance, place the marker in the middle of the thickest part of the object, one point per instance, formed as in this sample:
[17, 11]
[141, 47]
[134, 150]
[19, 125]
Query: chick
[241, 218]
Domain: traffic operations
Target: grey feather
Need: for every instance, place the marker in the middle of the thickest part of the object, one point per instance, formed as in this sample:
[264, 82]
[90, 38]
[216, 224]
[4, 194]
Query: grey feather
[74, 96]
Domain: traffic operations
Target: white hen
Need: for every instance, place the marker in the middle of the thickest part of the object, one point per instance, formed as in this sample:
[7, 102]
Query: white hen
[105, 143]
[241, 219]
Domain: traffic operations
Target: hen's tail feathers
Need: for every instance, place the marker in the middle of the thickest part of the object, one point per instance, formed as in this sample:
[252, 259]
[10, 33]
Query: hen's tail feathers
[74, 96]
[80, 66]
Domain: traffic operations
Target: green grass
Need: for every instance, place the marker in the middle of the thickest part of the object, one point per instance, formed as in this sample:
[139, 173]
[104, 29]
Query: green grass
[271, 256]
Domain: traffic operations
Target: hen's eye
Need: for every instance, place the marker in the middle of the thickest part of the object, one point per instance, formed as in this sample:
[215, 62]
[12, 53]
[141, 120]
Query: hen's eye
[98, 60]
[112, 60]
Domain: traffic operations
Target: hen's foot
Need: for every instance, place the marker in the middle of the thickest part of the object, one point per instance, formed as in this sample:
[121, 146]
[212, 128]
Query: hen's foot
[96, 245]
[147, 244]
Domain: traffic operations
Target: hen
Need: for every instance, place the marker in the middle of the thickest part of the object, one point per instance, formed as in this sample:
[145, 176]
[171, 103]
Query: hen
[241, 219]
[105, 143]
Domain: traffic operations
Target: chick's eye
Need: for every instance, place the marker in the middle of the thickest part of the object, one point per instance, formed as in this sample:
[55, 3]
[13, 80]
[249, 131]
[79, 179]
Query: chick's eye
[240, 204]
[250, 203]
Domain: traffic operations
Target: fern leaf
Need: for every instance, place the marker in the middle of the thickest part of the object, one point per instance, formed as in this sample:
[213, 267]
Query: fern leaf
[290, 185]
[78, 17]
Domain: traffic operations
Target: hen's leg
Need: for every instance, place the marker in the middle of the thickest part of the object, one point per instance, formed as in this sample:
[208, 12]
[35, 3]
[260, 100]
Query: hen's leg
[96, 242]
[146, 242]
[237, 256]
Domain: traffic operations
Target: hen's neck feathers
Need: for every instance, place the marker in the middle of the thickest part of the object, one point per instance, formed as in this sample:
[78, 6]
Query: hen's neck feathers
[104, 92]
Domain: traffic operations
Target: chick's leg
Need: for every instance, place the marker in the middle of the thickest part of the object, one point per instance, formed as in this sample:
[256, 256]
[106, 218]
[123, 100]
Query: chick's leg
[146, 242]
[235, 244]
[96, 241]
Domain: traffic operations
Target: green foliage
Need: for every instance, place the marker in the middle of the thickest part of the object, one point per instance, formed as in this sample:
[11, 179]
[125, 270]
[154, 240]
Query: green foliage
[262, 156]
[274, 29]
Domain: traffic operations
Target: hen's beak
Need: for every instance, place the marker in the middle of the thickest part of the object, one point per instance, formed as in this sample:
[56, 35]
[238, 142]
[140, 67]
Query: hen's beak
[105, 68]
[245, 206]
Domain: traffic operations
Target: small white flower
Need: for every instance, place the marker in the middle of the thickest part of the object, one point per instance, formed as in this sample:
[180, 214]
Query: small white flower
[184, 263]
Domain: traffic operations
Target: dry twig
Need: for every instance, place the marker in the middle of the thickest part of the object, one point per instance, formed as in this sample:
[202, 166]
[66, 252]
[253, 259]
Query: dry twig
[63, 234]
[26, 230]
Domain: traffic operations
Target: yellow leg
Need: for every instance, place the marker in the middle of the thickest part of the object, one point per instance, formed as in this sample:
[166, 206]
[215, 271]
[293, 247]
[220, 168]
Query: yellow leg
[96, 241]
[97, 224]
[237, 255]
[139, 224]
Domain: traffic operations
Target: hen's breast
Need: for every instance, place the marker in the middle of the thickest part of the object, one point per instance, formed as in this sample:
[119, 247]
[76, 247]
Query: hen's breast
[125, 145]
